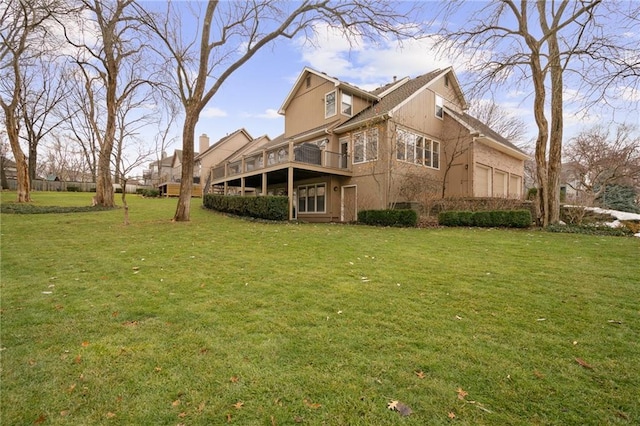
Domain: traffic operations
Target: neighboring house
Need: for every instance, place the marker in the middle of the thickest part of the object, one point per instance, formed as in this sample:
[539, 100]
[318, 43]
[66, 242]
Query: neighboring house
[159, 171]
[219, 152]
[346, 149]
[570, 183]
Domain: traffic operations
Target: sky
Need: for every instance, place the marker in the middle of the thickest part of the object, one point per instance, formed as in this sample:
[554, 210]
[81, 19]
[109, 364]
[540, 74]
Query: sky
[251, 97]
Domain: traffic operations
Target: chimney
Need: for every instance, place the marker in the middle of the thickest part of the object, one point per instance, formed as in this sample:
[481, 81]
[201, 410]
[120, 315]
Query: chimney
[395, 77]
[204, 143]
[164, 154]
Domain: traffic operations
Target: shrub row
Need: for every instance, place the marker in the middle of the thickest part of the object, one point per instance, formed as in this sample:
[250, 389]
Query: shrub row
[400, 218]
[591, 230]
[267, 207]
[487, 219]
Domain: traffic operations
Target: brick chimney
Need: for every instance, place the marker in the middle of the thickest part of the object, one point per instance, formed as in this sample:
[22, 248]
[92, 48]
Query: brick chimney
[204, 142]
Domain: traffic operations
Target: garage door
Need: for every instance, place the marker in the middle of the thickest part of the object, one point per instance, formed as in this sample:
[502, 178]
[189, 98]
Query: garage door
[482, 181]
[499, 184]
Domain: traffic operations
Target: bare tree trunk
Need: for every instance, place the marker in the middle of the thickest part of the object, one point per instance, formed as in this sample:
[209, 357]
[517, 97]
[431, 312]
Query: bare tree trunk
[542, 195]
[125, 206]
[24, 184]
[183, 210]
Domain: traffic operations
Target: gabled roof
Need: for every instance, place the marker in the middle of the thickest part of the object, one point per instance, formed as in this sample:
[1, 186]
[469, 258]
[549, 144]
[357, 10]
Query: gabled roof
[349, 88]
[220, 142]
[476, 126]
[394, 95]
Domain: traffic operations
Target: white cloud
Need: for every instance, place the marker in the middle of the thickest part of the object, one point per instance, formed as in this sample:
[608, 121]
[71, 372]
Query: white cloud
[213, 112]
[629, 94]
[369, 65]
[270, 113]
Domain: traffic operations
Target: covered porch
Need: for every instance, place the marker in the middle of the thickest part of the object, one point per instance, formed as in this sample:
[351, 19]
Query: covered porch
[278, 171]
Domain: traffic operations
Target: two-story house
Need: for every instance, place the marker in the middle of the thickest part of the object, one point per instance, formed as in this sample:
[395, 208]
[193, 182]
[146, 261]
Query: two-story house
[345, 149]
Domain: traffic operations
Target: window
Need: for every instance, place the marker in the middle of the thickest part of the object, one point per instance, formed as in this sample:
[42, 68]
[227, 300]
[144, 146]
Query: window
[347, 104]
[330, 104]
[415, 148]
[312, 198]
[439, 107]
[365, 146]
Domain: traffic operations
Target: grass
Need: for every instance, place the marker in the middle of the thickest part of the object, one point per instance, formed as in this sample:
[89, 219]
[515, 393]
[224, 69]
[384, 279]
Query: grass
[226, 320]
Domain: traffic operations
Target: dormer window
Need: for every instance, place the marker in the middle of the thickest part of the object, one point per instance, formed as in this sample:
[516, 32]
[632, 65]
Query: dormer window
[347, 105]
[439, 107]
[330, 104]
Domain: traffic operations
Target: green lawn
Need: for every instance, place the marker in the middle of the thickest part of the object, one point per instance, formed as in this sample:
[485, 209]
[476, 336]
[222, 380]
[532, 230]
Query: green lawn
[227, 320]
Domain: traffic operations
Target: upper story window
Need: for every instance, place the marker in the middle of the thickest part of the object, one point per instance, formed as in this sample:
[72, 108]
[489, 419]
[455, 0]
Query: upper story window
[330, 104]
[347, 105]
[417, 149]
[365, 146]
[439, 107]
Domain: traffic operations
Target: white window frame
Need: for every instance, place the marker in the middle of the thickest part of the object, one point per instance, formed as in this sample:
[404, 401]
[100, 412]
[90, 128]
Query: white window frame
[328, 113]
[349, 105]
[367, 141]
[305, 189]
[439, 107]
[410, 148]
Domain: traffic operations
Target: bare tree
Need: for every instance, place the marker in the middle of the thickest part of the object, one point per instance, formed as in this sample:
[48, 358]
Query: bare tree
[22, 31]
[110, 63]
[598, 157]
[538, 44]
[43, 90]
[508, 126]
[231, 33]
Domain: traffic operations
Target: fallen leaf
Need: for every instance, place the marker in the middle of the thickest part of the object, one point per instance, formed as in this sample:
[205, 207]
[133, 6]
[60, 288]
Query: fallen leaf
[313, 405]
[157, 369]
[583, 363]
[201, 406]
[234, 379]
[32, 362]
[273, 421]
[71, 388]
[78, 359]
[228, 418]
[115, 314]
[175, 403]
[458, 317]
[238, 405]
[182, 415]
[420, 374]
[110, 415]
[451, 415]
[85, 344]
[41, 419]
[461, 393]
[538, 374]
[392, 405]
[130, 323]
[136, 268]
[298, 419]
[64, 413]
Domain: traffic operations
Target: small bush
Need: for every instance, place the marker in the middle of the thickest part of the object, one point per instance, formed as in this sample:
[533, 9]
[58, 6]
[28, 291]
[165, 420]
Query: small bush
[73, 189]
[150, 193]
[388, 217]
[486, 219]
[268, 207]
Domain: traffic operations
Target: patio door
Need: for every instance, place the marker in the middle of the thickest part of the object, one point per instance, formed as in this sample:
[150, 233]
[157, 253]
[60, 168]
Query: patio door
[349, 204]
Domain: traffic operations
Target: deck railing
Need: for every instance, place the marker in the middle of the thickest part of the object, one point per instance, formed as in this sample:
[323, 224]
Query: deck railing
[304, 153]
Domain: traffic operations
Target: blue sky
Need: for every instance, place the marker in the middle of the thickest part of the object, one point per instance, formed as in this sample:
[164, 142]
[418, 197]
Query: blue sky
[251, 97]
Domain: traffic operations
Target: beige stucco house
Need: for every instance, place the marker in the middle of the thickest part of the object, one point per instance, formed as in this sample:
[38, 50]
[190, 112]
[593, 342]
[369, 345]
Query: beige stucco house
[346, 149]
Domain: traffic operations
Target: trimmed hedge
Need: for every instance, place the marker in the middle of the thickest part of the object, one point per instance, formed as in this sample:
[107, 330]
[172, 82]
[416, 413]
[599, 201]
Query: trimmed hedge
[487, 219]
[267, 207]
[400, 218]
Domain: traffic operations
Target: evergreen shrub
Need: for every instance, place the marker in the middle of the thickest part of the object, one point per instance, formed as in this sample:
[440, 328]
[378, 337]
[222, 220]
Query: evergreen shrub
[487, 219]
[388, 217]
[267, 207]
